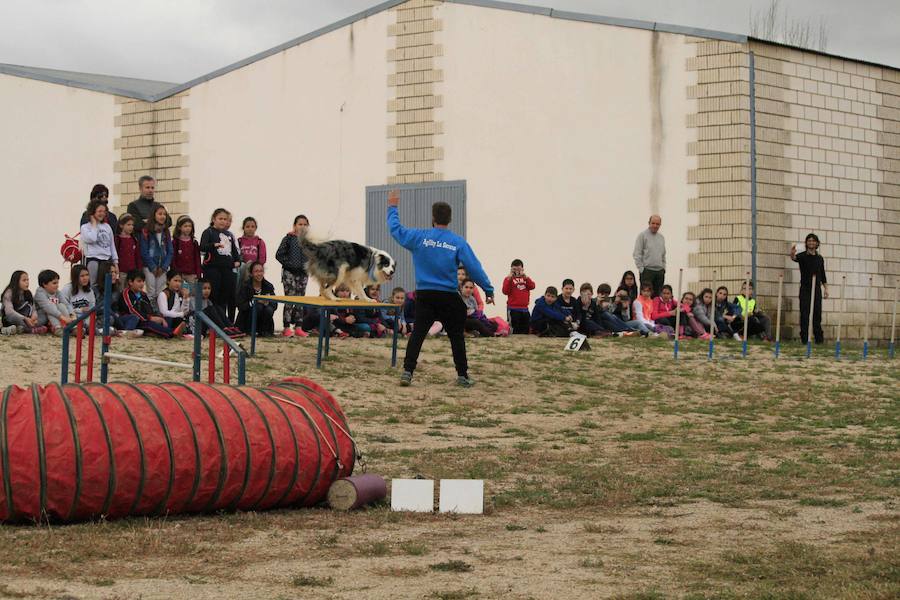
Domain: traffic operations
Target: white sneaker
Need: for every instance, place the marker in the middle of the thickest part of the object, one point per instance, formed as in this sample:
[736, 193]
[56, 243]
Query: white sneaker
[655, 334]
[737, 337]
[134, 333]
[10, 330]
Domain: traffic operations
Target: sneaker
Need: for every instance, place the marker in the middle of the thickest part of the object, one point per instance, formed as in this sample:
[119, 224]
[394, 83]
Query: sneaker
[406, 378]
[705, 336]
[39, 330]
[298, 332]
[629, 333]
[179, 330]
[465, 381]
[188, 336]
[20, 329]
[11, 330]
[655, 334]
[342, 334]
[737, 337]
[58, 331]
[134, 333]
[287, 332]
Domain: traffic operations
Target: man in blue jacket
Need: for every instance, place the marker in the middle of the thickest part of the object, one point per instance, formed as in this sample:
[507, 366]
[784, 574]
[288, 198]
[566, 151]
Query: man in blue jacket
[437, 253]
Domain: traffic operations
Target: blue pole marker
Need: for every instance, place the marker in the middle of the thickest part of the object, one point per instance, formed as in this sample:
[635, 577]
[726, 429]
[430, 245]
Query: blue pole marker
[744, 349]
[777, 348]
[107, 309]
[837, 350]
[712, 344]
[891, 350]
[676, 346]
[865, 349]
[808, 347]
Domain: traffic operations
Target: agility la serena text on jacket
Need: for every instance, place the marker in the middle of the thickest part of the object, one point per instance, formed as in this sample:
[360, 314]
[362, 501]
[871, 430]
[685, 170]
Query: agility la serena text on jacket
[437, 253]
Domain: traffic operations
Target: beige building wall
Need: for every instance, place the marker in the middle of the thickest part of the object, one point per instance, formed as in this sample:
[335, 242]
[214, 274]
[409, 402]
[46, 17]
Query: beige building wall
[569, 135]
[828, 132]
[302, 131]
[57, 143]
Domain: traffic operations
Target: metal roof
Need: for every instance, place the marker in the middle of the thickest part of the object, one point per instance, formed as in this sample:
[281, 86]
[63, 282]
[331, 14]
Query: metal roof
[152, 91]
[108, 84]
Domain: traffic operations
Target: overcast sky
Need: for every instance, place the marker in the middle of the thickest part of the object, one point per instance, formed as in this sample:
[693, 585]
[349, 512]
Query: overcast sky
[177, 40]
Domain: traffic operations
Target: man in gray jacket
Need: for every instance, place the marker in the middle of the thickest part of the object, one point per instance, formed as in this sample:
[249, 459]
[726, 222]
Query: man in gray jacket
[650, 255]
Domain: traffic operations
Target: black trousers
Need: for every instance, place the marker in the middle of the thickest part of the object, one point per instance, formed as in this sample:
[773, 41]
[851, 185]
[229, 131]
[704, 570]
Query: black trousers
[655, 278]
[818, 334]
[222, 281]
[519, 321]
[450, 310]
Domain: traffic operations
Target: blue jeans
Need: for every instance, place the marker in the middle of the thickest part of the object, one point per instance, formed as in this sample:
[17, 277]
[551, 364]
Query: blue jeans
[636, 325]
[612, 322]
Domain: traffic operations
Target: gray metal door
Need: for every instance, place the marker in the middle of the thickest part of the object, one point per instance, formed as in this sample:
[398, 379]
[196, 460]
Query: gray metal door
[415, 211]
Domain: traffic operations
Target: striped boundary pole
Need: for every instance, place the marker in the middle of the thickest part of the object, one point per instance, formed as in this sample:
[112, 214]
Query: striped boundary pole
[893, 321]
[865, 353]
[746, 315]
[837, 342]
[712, 318]
[778, 317]
[809, 322]
[678, 311]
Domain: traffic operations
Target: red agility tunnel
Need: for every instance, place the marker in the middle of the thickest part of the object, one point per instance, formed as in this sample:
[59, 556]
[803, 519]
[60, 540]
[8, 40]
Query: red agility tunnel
[75, 452]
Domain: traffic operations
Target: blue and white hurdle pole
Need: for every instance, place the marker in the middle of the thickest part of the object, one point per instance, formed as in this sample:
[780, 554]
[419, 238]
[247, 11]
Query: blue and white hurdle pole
[865, 353]
[841, 313]
[678, 311]
[712, 319]
[778, 317]
[809, 323]
[746, 315]
[893, 321]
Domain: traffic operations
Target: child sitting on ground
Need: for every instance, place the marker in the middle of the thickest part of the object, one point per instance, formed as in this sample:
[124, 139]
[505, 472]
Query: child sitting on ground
[567, 301]
[391, 316]
[346, 321]
[136, 312]
[622, 310]
[642, 308]
[372, 316]
[174, 303]
[725, 314]
[77, 295]
[605, 316]
[215, 313]
[476, 323]
[255, 285]
[758, 323]
[547, 320]
[517, 286]
[664, 307]
[19, 312]
[50, 304]
[693, 328]
[585, 315]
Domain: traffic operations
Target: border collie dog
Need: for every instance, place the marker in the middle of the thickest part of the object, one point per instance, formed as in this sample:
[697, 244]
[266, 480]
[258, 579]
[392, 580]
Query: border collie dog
[338, 262]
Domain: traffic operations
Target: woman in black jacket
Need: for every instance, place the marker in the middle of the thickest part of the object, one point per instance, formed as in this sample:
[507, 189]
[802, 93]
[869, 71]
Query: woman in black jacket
[256, 285]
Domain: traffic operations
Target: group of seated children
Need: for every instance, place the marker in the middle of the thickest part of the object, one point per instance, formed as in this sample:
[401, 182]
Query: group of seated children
[51, 308]
[632, 310]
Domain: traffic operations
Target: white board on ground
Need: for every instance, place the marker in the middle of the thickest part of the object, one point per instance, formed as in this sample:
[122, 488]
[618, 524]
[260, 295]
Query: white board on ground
[575, 342]
[415, 495]
[462, 496]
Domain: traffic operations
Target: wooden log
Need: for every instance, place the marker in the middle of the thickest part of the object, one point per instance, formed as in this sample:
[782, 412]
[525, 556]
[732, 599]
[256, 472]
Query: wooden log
[357, 491]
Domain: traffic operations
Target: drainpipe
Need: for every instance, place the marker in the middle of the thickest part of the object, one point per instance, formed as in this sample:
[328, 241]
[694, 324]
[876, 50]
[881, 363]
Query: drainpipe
[753, 170]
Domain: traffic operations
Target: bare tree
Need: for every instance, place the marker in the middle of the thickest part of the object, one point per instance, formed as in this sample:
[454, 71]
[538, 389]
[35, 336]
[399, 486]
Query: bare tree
[778, 26]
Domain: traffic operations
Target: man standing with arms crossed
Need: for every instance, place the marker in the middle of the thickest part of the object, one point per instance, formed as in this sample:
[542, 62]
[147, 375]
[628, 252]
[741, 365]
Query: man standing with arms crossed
[437, 253]
[650, 255]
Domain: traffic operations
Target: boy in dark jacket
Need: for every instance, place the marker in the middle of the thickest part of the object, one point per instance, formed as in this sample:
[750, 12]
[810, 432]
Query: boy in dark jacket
[547, 320]
[136, 312]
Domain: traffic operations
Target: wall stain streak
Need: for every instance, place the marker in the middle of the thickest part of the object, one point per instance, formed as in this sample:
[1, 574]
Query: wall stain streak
[657, 137]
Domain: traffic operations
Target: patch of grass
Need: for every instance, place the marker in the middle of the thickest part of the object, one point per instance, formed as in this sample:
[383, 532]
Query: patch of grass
[591, 563]
[829, 502]
[414, 549]
[515, 527]
[640, 436]
[311, 581]
[452, 566]
[455, 594]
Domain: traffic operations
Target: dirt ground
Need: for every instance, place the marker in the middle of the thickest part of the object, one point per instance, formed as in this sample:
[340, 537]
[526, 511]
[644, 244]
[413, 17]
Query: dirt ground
[613, 473]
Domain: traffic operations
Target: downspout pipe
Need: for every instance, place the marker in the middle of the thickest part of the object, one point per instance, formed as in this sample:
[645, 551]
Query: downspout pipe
[753, 239]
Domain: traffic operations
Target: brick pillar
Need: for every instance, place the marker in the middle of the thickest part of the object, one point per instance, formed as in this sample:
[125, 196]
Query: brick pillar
[415, 154]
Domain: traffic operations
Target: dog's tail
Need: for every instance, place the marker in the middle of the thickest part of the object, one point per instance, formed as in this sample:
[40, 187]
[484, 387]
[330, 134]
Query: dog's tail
[307, 244]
